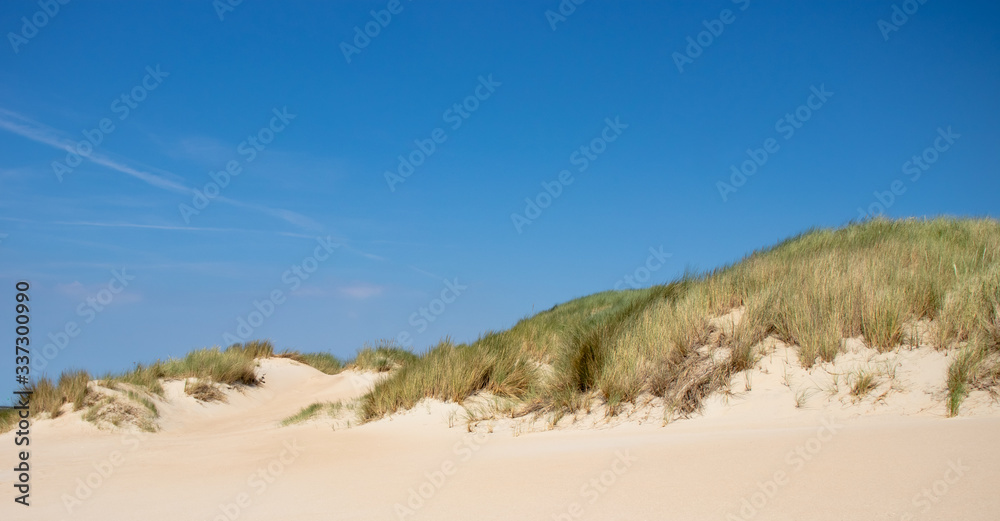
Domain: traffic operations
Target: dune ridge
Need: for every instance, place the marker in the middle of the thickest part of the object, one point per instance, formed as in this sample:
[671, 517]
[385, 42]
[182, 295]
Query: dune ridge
[842, 374]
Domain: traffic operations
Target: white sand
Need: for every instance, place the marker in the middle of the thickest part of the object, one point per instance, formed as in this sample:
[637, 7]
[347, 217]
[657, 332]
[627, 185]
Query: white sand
[879, 458]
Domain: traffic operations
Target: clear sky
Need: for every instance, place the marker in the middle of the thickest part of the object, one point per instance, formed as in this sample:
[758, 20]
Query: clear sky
[117, 118]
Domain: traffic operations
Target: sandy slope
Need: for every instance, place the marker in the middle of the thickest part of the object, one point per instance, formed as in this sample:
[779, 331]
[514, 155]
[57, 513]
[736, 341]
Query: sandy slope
[754, 455]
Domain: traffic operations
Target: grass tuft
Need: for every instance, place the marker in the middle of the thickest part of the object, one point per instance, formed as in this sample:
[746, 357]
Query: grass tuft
[229, 367]
[453, 372]
[236, 365]
[863, 382]
[324, 362]
[203, 391]
[8, 420]
[383, 356]
[331, 409]
[253, 349]
[49, 398]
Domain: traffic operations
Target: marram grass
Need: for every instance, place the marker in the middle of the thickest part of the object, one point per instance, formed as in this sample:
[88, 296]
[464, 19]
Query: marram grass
[871, 280]
[864, 280]
[235, 365]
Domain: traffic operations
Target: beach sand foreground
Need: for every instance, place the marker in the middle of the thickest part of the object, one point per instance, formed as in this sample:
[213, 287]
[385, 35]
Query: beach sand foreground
[751, 455]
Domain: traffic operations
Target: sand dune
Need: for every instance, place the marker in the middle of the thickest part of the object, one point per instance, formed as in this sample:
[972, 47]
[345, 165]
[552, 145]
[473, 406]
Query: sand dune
[751, 455]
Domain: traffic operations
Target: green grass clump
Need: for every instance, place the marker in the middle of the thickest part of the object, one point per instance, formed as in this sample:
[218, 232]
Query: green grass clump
[73, 387]
[145, 401]
[8, 420]
[142, 376]
[328, 408]
[453, 372]
[383, 356]
[971, 314]
[253, 349]
[234, 367]
[204, 391]
[863, 382]
[118, 411]
[324, 362]
[48, 397]
[45, 398]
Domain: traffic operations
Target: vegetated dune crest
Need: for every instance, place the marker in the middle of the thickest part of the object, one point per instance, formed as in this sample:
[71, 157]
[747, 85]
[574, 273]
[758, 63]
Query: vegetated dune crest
[286, 386]
[910, 380]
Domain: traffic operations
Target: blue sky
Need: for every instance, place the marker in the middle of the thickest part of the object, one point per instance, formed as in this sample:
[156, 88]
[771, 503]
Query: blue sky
[610, 106]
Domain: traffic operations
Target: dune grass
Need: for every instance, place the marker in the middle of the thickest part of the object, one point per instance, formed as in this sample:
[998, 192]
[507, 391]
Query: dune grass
[144, 400]
[451, 372]
[863, 381]
[864, 280]
[204, 370]
[8, 419]
[325, 362]
[310, 411]
[872, 280]
[382, 356]
[236, 365]
[120, 411]
[145, 377]
[203, 390]
[49, 397]
[253, 349]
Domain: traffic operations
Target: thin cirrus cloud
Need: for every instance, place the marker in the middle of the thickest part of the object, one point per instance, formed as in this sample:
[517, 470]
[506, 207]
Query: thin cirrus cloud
[172, 227]
[40, 133]
[22, 126]
[361, 291]
[78, 291]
